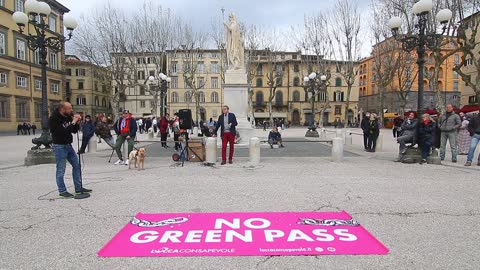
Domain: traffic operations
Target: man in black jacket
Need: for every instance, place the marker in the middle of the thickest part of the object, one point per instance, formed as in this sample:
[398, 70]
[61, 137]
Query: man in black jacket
[62, 124]
[228, 123]
[364, 126]
[474, 129]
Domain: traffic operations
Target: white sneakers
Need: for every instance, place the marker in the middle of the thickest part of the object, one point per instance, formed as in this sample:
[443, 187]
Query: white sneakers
[120, 162]
[126, 162]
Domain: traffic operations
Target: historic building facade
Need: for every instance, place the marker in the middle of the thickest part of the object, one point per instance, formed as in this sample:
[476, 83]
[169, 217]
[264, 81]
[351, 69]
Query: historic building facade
[20, 74]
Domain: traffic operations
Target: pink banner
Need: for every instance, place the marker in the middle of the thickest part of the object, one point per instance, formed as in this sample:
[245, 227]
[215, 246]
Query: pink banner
[242, 234]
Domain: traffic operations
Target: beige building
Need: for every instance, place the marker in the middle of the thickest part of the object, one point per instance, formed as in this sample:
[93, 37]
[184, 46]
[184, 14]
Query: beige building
[291, 102]
[469, 98]
[87, 86]
[20, 75]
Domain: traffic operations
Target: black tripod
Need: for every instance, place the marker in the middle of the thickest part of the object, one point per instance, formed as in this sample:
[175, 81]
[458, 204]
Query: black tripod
[82, 194]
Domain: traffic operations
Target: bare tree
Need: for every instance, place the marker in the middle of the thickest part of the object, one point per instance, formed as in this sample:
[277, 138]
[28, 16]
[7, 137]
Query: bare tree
[105, 39]
[345, 27]
[467, 37]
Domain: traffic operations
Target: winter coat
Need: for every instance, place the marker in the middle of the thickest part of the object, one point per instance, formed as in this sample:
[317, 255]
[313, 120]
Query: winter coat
[427, 132]
[103, 130]
[88, 129]
[62, 128]
[449, 122]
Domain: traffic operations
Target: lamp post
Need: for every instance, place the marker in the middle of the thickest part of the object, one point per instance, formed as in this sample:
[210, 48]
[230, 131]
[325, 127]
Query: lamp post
[38, 17]
[420, 39]
[164, 80]
[314, 86]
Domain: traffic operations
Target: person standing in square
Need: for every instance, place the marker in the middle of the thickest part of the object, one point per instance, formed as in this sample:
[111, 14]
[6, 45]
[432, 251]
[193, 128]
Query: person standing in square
[227, 123]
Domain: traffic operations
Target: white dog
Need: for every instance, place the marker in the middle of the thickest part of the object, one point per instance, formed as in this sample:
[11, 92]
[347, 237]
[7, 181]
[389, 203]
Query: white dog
[138, 158]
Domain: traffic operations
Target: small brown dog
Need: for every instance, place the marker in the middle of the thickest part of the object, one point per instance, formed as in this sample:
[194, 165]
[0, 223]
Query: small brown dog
[138, 158]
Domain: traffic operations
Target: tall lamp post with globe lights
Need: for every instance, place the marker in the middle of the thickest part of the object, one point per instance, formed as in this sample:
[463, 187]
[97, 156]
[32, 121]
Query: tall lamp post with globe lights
[314, 86]
[420, 39]
[164, 80]
[38, 17]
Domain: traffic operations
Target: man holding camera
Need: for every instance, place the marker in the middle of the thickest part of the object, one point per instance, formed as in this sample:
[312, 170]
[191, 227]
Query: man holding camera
[228, 123]
[62, 124]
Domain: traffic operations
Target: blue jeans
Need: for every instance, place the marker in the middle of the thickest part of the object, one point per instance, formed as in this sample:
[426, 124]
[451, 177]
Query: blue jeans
[473, 146]
[64, 153]
[426, 147]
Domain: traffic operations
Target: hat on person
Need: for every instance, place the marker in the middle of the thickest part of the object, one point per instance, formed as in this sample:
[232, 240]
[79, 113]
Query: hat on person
[88, 116]
[126, 111]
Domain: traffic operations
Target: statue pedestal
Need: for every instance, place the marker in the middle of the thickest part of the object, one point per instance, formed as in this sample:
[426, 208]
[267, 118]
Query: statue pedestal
[40, 156]
[235, 92]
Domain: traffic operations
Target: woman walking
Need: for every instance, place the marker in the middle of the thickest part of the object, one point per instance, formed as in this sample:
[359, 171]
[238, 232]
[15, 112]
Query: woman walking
[464, 137]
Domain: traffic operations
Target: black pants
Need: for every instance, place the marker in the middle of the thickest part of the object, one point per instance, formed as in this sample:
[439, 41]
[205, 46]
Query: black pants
[164, 139]
[372, 142]
[394, 130]
[365, 140]
[84, 143]
[33, 130]
[177, 143]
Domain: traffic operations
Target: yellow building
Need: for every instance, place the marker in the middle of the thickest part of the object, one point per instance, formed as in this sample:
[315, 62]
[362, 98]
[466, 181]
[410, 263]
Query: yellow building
[468, 95]
[88, 87]
[449, 82]
[20, 75]
[291, 102]
[207, 76]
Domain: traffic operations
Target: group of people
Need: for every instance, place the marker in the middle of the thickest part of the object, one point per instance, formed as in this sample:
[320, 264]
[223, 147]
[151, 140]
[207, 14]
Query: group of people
[24, 129]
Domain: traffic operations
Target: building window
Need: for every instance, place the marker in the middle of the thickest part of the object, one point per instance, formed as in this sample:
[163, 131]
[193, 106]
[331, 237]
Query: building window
[142, 104]
[455, 86]
[19, 5]
[296, 96]
[53, 61]
[214, 97]
[142, 91]
[456, 59]
[96, 86]
[200, 67]
[279, 98]
[141, 75]
[259, 98]
[187, 96]
[201, 97]
[468, 62]
[175, 98]
[173, 67]
[338, 96]
[69, 72]
[141, 61]
[472, 100]
[52, 23]
[2, 3]
[23, 111]
[338, 110]
[81, 100]
[214, 67]
[54, 87]
[38, 85]
[214, 83]
[296, 81]
[322, 96]
[214, 55]
[151, 73]
[37, 107]
[259, 82]
[97, 102]
[4, 108]
[259, 70]
[152, 104]
[21, 82]
[455, 75]
[200, 82]
[279, 81]
[3, 78]
[80, 85]
[80, 72]
[338, 81]
[296, 68]
[21, 48]
[174, 83]
[3, 43]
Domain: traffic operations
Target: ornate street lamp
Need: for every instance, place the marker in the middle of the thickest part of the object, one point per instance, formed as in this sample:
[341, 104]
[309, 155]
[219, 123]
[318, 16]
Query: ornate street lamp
[38, 17]
[420, 39]
[314, 86]
[164, 80]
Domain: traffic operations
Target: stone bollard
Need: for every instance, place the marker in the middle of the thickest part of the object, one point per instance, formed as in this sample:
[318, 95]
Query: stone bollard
[323, 133]
[348, 137]
[92, 145]
[339, 133]
[211, 150]
[254, 151]
[337, 150]
[379, 146]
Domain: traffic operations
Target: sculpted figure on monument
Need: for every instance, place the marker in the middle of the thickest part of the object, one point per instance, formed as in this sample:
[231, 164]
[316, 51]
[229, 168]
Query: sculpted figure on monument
[235, 47]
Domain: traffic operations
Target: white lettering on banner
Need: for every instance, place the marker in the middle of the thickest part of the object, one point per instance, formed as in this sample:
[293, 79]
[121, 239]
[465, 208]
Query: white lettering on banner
[172, 236]
[194, 237]
[246, 237]
[271, 234]
[344, 232]
[247, 223]
[323, 235]
[148, 236]
[298, 235]
[213, 236]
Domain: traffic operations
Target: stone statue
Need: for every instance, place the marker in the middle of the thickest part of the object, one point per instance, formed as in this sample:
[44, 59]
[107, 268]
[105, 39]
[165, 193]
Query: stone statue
[235, 46]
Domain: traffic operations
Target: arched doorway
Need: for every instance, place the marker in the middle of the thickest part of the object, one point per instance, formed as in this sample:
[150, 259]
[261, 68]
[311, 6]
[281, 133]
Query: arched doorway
[296, 117]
